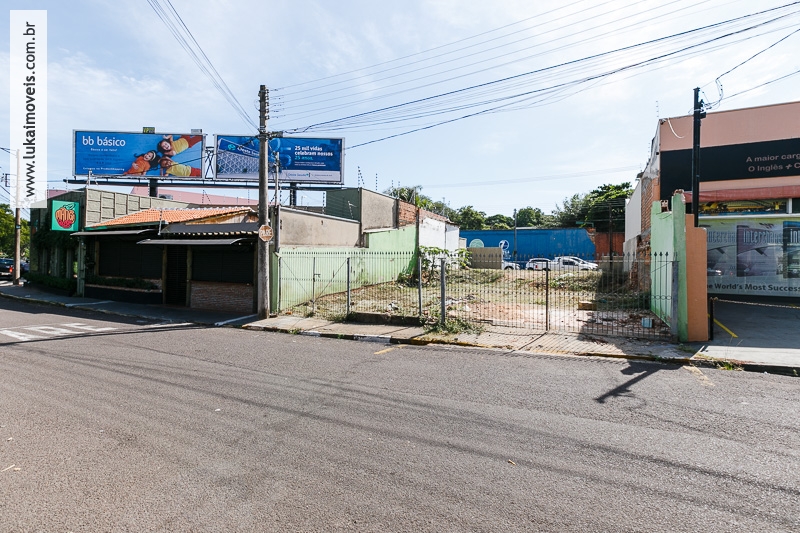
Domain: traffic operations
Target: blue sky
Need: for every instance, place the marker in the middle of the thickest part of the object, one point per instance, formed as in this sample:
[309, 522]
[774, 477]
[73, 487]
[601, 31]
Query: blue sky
[115, 66]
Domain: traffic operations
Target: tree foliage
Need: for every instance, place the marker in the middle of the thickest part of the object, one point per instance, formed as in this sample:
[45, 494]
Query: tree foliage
[468, 217]
[598, 207]
[594, 209]
[7, 230]
[499, 222]
[531, 217]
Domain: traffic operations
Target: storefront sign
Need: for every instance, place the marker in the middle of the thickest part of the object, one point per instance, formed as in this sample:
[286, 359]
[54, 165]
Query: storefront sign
[754, 256]
[66, 216]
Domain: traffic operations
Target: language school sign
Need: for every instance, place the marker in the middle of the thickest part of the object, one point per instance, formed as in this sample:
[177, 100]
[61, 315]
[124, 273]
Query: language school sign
[768, 159]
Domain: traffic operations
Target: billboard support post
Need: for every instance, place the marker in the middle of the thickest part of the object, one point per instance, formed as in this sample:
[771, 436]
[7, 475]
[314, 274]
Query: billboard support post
[263, 206]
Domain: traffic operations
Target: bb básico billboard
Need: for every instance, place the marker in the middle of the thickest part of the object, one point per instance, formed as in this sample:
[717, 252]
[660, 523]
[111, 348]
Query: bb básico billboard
[302, 160]
[111, 153]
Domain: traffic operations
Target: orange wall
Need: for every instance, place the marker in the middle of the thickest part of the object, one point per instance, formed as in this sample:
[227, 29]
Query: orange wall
[738, 126]
[696, 282]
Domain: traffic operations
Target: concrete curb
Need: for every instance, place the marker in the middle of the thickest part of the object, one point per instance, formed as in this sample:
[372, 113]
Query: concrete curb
[702, 361]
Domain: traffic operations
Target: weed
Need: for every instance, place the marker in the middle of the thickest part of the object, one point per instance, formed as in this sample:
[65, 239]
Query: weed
[453, 326]
[727, 365]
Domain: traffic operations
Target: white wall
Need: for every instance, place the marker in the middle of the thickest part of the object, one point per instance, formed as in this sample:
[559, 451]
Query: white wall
[633, 213]
[438, 233]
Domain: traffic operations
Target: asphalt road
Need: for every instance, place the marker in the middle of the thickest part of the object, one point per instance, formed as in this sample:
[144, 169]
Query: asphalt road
[150, 427]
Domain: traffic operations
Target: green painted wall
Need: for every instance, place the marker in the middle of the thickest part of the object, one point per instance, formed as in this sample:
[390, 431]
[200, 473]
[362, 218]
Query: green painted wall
[392, 240]
[663, 247]
[306, 273]
[668, 243]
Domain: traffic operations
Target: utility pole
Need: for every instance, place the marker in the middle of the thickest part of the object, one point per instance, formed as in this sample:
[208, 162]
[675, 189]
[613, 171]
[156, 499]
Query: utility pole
[699, 114]
[17, 228]
[515, 235]
[263, 206]
[610, 232]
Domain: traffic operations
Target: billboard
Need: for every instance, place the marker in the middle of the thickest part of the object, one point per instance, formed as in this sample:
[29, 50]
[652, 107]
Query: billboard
[237, 157]
[109, 153]
[754, 256]
[302, 160]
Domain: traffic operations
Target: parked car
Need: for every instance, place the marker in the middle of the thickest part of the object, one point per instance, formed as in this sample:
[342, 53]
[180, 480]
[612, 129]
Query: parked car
[6, 267]
[538, 263]
[509, 265]
[570, 262]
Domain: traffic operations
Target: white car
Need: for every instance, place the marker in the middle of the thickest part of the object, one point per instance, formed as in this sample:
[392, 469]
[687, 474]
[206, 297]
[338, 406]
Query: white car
[508, 265]
[538, 263]
[570, 262]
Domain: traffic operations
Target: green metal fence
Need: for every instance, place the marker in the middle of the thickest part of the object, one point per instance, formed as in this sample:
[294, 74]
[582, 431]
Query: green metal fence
[621, 296]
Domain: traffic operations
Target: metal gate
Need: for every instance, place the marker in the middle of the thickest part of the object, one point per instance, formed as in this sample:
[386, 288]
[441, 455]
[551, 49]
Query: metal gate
[620, 296]
[175, 290]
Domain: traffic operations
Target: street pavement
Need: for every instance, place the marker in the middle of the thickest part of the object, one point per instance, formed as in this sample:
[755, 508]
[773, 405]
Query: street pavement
[751, 337]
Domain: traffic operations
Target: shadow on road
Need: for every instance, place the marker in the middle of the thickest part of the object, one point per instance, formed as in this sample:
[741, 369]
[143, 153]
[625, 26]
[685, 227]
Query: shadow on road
[639, 371]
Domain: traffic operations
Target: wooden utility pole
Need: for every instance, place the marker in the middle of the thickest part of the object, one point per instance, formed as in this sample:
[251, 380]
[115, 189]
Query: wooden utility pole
[263, 206]
[17, 227]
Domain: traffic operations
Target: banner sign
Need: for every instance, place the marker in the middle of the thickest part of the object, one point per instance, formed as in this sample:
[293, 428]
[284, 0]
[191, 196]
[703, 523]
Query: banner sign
[754, 256]
[768, 159]
[107, 153]
[65, 216]
[302, 160]
[237, 157]
[28, 107]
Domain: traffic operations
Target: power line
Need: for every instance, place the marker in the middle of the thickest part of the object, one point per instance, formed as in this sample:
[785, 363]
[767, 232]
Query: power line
[386, 114]
[439, 72]
[170, 17]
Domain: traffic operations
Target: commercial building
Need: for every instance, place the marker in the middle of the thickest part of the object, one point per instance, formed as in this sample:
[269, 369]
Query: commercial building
[749, 197]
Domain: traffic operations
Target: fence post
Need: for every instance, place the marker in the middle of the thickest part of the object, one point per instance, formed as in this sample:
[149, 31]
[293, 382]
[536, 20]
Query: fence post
[711, 301]
[347, 309]
[673, 323]
[419, 282]
[313, 285]
[280, 279]
[443, 305]
[547, 298]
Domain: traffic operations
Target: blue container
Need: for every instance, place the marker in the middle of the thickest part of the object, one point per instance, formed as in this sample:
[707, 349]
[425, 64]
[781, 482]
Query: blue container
[527, 242]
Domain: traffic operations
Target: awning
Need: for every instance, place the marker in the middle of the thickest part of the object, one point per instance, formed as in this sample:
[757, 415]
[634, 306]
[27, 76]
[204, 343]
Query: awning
[102, 233]
[193, 242]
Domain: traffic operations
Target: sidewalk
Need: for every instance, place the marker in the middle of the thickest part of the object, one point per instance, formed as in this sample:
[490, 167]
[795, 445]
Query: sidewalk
[774, 358]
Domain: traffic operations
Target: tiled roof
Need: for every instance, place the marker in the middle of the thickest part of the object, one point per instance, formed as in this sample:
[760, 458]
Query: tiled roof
[168, 216]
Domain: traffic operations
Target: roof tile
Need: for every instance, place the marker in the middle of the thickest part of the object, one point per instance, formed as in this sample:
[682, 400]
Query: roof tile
[169, 216]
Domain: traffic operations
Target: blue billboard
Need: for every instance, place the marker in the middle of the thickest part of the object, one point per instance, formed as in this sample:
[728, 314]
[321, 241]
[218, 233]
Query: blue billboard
[302, 160]
[109, 153]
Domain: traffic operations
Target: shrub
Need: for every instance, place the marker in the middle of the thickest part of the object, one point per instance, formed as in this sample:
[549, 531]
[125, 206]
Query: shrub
[64, 284]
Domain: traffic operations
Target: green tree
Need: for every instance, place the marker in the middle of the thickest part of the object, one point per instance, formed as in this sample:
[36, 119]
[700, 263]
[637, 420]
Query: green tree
[531, 217]
[7, 233]
[499, 222]
[607, 203]
[468, 217]
[412, 195]
[572, 212]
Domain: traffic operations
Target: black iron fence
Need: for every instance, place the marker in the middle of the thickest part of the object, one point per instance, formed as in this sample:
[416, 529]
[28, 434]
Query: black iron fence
[621, 295]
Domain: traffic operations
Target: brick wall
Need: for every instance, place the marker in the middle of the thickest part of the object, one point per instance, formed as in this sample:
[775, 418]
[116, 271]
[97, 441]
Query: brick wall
[600, 240]
[232, 297]
[407, 214]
